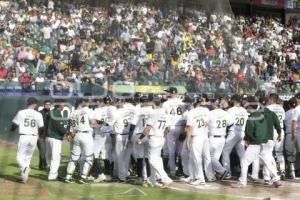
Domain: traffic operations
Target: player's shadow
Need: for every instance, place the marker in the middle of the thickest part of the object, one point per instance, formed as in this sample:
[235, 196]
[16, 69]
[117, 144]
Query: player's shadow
[43, 177]
[14, 165]
[11, 177]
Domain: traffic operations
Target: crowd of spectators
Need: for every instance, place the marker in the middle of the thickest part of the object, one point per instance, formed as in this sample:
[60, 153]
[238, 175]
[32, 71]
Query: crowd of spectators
[142, 45]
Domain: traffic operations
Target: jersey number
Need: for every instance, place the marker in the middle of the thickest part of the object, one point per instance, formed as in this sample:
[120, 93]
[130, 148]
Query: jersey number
[177, 111]
[162, 124]
[280, 117]
[125, 121]
[221, 124]
[82, 120]
[200, 123]
[239, 121]
[29, 122]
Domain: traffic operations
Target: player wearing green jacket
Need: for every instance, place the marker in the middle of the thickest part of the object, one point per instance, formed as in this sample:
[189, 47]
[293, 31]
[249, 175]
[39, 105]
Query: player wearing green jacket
[257, 142]
[57, 129]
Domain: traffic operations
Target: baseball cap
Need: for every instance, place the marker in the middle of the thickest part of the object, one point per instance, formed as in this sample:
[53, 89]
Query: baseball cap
[188, 99]
[297, 96]
[107, 99]
[31, 100]
[172, 90]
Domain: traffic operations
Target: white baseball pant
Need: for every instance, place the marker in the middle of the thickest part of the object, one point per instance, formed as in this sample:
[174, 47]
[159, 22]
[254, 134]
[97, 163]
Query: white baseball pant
[173, 146]
[185, 158]
[53, 147]
[25, 149]
[195, 158]
[233, 140]
[82, 144]
[251, 154]
[123, 152]
[216, 147]
[157, 169]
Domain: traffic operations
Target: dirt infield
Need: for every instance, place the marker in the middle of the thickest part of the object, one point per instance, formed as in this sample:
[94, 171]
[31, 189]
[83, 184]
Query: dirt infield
[288, 191]
[30, 190]
[6, 145]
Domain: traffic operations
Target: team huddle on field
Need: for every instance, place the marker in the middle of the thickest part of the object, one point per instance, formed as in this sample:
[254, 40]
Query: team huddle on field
[160, 140]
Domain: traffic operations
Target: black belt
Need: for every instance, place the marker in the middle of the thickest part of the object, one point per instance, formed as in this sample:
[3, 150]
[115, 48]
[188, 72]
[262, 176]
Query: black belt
[139, 133]
[29, 134]
[218, 136]
[84, 131]
[124, 134]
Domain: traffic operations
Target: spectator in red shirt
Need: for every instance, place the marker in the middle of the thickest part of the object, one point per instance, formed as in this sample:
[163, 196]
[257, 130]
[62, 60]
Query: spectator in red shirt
[3, 73]
[25, 81]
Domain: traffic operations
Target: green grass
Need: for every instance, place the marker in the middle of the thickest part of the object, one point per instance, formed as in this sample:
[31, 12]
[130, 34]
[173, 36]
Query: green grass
[39, 188]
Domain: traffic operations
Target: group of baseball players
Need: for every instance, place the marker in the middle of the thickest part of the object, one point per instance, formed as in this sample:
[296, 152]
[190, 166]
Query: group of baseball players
[189, 138]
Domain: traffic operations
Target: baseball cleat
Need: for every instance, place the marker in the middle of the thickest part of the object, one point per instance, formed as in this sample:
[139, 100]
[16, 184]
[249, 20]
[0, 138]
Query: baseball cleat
[69, 181]
[82, 181]
[238, 185]
[186, 180]
[100, 178]
[197, 182]
[25, 174]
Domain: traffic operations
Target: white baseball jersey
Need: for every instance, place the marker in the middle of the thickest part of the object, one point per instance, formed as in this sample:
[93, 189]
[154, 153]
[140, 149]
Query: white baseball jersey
[197, 119]
[279, 111]
[288, 120]
[140, 118]
[296, 117]
[240, 116]
[174, 108]
[218, 122]
[101, 114]
[159, 121]
[80, 120]
[110, 110]
[122, 120]
[29, 121]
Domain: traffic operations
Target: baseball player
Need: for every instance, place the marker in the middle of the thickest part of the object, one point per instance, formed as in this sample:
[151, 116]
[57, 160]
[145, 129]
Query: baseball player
[121, 126]
[156, 129]
[258, 144]
[198, 144]
[102, 144]
[174, 108]
[140, 151]
[30, 123]
[57, 129]
[290, 147]
[235, 138]
[296, 123]
[218, 123]
[82, 134]
[41, 144]
[278, 145]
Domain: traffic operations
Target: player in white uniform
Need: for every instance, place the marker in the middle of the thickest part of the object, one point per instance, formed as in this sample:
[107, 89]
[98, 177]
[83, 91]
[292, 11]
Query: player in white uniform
[235, 138]
[174, 108]
[290, 145]
[219, 121]
[278, 145]
[82, 133]
[156, 129]
[296, 123]
[140, 151]
[198, 145]
[29, 122]
[122, 120]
